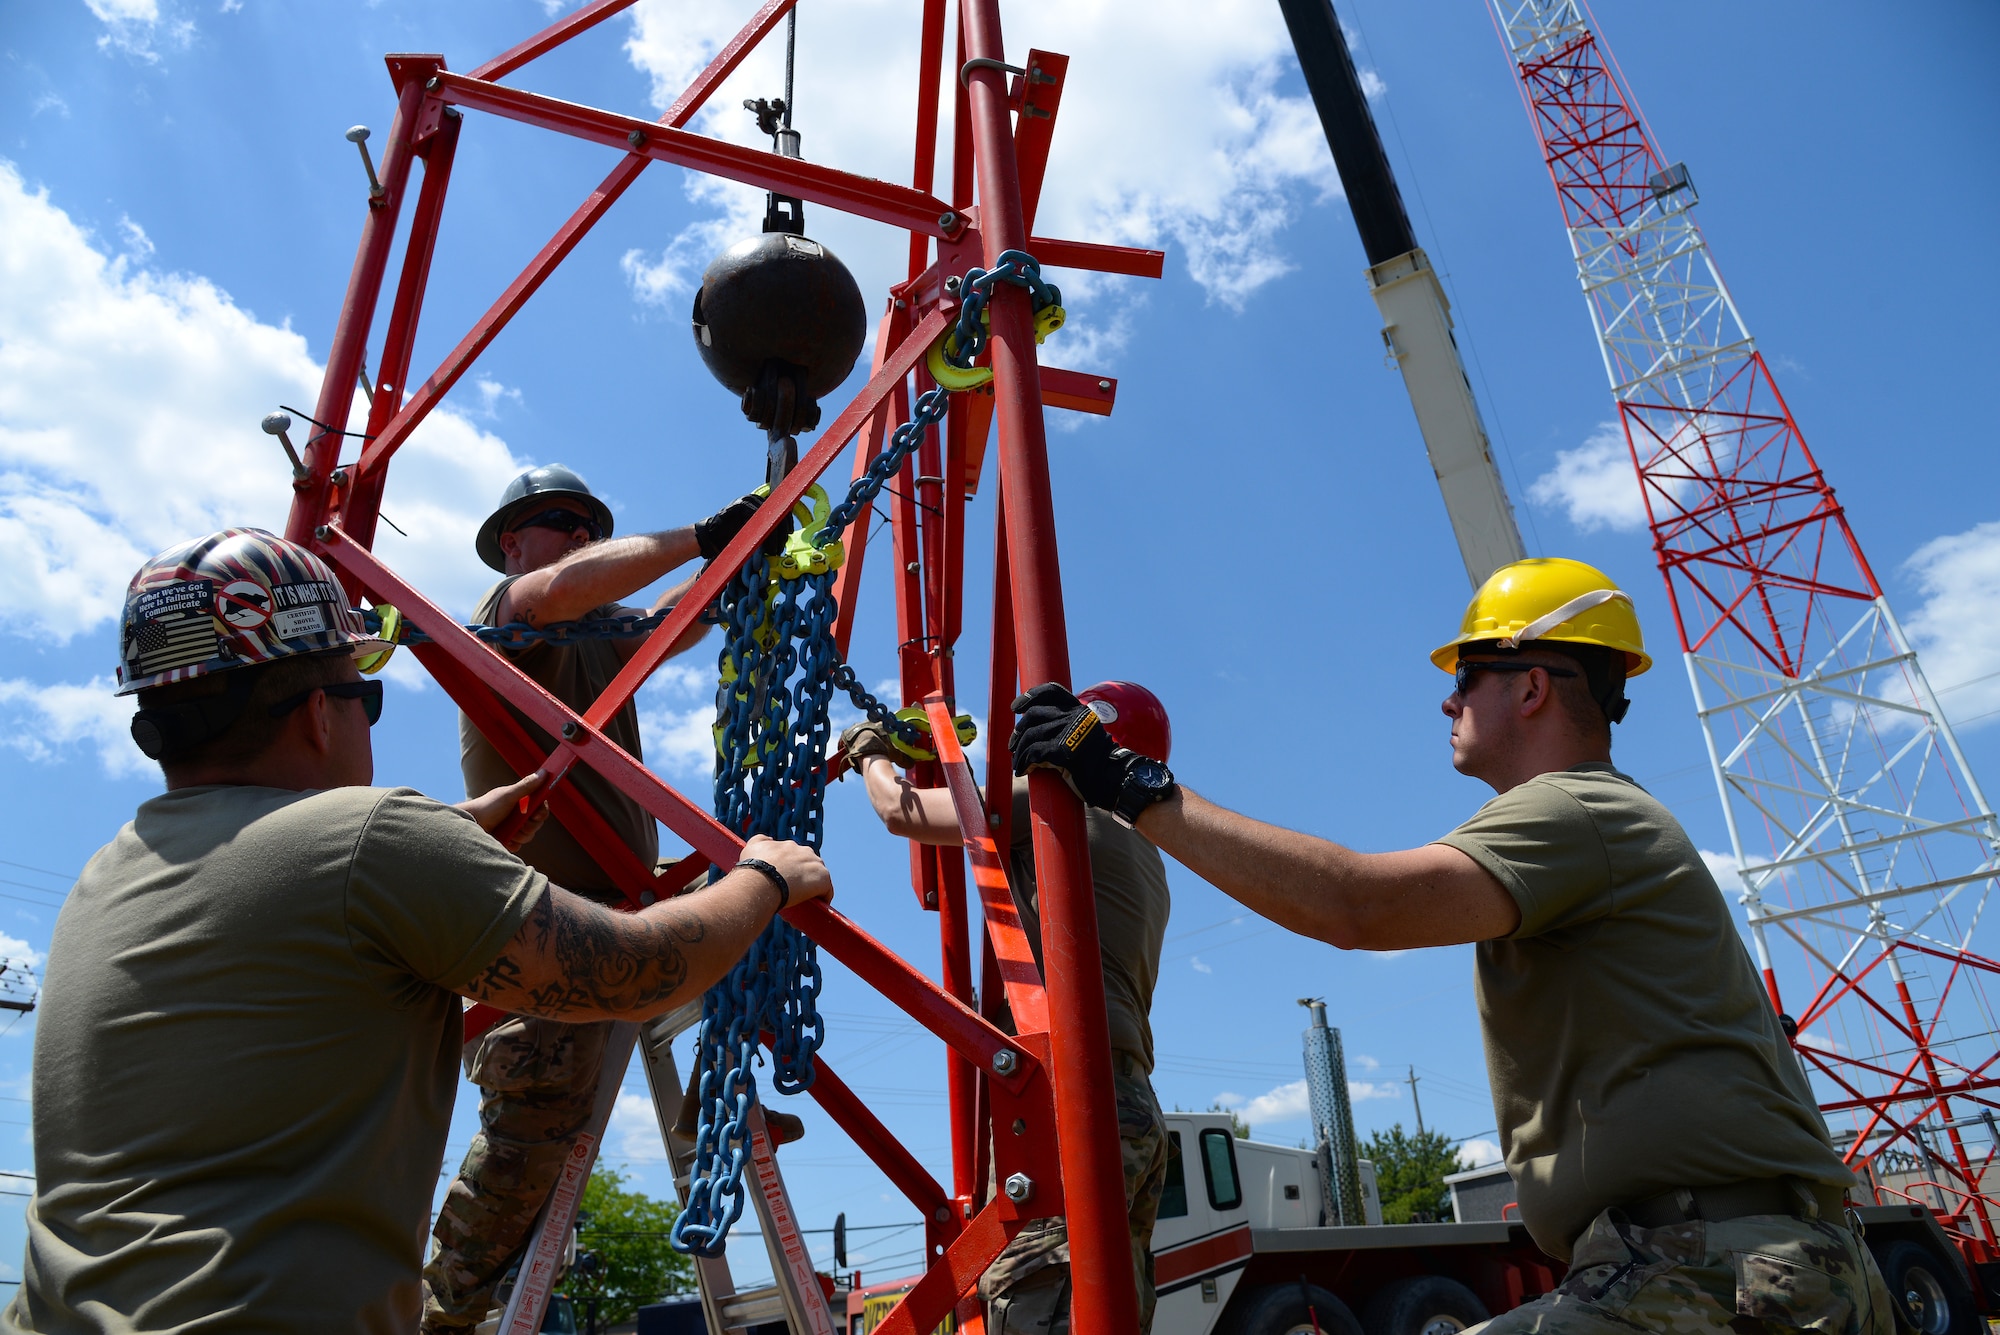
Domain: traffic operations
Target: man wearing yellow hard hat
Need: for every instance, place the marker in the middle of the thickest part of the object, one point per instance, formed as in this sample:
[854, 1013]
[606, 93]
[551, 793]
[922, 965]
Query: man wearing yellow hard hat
[1661, 1135]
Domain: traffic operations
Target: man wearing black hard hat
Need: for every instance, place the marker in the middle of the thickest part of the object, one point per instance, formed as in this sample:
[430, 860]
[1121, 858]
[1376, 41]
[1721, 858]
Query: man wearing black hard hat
[552, 539]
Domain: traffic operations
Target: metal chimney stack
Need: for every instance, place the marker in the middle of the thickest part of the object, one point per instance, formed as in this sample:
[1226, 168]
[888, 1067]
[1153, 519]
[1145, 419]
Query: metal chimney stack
[1333, 1121]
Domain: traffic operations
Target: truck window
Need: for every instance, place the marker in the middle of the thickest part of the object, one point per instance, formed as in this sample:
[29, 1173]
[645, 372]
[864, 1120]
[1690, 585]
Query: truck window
[1218, 1162]
[1173, 1197]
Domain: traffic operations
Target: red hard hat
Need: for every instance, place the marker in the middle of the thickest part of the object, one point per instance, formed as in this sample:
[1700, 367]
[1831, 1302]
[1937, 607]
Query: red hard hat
[1133, 716]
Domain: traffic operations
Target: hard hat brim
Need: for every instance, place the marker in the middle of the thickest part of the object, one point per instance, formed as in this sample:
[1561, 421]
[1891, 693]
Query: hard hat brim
[1445, 656]
[358, 648]
[487, 544]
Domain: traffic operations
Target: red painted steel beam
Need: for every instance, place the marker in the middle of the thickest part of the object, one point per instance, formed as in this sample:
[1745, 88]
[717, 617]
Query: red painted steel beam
[865, 1129]
[717, 574]
[889, 333]
[551, 37]
[863, 196]
[1035, 126]
[1079, 1037]
[930, 69]
[363, 504]
[954, 1274]
[313, 495]
[1054, 253]
[391, 437]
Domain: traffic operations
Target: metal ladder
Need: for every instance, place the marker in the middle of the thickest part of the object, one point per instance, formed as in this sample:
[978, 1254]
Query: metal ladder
[795, 1296]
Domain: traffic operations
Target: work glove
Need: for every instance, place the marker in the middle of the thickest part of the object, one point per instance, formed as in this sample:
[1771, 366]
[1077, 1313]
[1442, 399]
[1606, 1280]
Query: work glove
[1057, 731]
[714, 533]
[869, 738]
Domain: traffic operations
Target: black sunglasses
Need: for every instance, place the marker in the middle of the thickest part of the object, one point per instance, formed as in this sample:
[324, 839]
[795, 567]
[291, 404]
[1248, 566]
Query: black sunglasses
[1462, 676]
[562, 521]
[369, 693]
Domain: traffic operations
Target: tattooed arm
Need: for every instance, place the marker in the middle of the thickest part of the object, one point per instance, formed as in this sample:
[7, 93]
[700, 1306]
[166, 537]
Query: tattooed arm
[575, 960]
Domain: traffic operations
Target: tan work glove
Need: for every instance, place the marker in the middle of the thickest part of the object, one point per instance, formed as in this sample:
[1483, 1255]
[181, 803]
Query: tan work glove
[869, 738]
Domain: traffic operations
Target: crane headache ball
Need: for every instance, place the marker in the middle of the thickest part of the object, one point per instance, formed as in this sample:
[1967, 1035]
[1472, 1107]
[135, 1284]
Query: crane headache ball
[782, 302]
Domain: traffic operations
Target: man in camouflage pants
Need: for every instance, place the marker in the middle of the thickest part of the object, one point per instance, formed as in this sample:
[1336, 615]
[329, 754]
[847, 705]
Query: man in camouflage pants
[1027, 1288]
[1661, 1134]
[552, 540]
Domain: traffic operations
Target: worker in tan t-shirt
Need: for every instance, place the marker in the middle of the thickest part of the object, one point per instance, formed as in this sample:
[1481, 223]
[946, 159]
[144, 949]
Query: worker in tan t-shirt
[245, 1062]
[551, 538]
[1653, 1115]
[1027, 1287]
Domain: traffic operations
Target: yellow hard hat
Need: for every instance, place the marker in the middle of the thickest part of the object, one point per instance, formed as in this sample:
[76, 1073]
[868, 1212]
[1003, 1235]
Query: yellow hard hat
[1550, 598]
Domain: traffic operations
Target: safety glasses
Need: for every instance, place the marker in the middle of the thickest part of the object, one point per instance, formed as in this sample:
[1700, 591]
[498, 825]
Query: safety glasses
[562, 521]
[369, 693]
[1462, 676]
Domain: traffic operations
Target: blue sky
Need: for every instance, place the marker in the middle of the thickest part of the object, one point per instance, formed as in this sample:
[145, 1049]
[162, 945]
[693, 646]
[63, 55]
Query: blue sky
[1255, 533]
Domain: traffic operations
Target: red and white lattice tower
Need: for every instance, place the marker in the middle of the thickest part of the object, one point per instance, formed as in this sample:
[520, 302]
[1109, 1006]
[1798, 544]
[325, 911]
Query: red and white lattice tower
[1867, 850]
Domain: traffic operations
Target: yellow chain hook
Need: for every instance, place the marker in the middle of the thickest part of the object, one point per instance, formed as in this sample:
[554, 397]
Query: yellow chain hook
[962, 725]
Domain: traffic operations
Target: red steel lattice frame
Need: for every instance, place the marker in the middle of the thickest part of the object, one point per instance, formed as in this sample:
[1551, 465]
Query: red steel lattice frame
[1058, 1086]
[1821, 726]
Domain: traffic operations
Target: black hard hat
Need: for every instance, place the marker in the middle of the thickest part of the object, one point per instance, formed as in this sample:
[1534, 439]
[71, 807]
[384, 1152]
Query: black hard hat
[537, 484]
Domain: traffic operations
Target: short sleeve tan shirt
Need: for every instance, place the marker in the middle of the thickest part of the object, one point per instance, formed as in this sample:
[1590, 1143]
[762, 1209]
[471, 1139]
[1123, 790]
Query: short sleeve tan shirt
[1630, 1045]
[247, 1057]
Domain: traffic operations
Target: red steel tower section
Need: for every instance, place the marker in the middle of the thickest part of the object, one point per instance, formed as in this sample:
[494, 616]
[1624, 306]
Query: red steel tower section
[1866, 849]
[1050, 1083]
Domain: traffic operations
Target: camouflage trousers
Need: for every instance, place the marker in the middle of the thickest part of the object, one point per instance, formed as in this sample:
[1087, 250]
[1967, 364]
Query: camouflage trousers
[1757, 1275]
[1026, 1289]
[537, 1085]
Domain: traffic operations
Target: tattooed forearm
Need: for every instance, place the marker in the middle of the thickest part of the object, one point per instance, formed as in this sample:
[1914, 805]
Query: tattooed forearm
[574, 959]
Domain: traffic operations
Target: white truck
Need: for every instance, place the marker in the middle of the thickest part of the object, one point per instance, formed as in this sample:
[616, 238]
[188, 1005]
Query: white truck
[1240, 1250]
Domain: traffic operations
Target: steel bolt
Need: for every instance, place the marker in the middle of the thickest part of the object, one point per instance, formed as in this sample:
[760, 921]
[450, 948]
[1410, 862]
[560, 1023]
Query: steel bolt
[324, 533]
[637, 139]
[913, 567]
[339, 478]
[942, 1213]
[930, 899]
[1004, 1062]
[1019, 1187]
[947, 220]
[431, 84]
[570, 730]
[1104, 385]
[1020, 1127]
[951, 283]
[901, 304]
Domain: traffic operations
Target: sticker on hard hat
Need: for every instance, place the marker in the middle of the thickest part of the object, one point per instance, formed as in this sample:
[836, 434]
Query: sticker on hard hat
[304, 592]
[293, 622]
[1105, 710]
[245, 604]
[173, 627]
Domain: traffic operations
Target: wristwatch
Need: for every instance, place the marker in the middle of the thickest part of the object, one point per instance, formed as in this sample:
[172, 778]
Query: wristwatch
[1146, 781]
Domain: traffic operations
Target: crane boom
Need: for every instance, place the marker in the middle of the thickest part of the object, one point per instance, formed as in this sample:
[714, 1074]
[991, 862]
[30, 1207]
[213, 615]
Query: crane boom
[1416, 317]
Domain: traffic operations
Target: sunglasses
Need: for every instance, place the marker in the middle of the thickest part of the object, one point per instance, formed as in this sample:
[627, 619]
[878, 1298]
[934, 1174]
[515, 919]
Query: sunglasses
[1462, 676]
[562, 521]
[369, 693]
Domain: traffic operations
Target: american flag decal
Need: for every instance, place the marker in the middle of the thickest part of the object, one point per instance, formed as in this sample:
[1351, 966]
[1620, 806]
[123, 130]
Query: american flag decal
[174, 641]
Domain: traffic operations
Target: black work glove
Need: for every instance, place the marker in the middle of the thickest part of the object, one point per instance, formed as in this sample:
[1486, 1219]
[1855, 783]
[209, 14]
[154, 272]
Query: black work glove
[714, 533]
[869, 738]
[1057, 731]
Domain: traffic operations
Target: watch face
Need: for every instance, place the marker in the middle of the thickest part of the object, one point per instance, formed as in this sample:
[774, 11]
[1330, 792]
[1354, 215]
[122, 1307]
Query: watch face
[1150, 774]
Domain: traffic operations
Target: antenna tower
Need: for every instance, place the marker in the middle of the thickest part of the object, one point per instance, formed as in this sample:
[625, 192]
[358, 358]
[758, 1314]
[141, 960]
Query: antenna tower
[1866, 848]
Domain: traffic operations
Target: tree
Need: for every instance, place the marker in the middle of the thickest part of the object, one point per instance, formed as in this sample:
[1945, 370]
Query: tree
[1410, 1172]
[630, 1232]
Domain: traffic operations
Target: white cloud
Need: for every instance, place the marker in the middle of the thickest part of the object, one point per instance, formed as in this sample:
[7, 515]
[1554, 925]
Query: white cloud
[1726, 870]
[1199, 967]
[1286, 1103]
[129, 409]
[137, 28]
[492, 394]
[634, 1130]
[1373, 86]
[50, 102]
[1954, 630]
[1594, 483]
[1358, 1090]
[677, 717]
[137, 243]
[1172, 133]
[1477, 1154]
[42, 722]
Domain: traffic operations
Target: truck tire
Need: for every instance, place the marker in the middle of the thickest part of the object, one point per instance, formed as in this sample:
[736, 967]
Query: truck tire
[1926, 1291]
[1423, 1305]
[1282, 1309]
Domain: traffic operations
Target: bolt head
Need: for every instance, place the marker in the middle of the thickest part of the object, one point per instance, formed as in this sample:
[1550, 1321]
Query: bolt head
[1104, 385]
[339, 478]
[431, 84]
[357, 134]
[951, 284]
[1019, 1187]
[942, 1213]
[324, 533]
[947, 220]
[277, 423]
[930, 899]
[637, 138]
[570, 730]
[1004, 1062]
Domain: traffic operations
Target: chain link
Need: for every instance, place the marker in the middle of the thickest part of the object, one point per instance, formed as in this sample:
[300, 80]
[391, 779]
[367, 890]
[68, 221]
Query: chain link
[968, 339]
